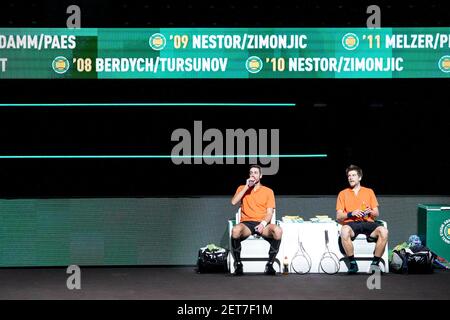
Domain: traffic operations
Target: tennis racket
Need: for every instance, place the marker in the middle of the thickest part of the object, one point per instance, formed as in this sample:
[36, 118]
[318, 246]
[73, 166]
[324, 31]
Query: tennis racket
[301, 262]
[329, 263]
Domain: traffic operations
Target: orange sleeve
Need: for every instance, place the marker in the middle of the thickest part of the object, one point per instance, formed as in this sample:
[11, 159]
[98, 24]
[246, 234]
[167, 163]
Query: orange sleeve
[271, 200]
[373, 199]
[340, 202]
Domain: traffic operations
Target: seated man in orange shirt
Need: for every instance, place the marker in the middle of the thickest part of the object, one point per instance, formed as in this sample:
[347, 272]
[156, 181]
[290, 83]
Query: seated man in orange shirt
[357, 209]
[257, 205]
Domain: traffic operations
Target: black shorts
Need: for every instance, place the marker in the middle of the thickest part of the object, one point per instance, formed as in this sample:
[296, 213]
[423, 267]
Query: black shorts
[364, 227]
[251, 225]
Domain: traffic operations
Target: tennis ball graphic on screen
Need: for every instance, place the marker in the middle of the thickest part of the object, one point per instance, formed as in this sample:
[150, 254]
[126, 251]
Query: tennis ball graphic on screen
[350, 41]
[254, 64]
[60, 65]
[157, 41]
[444, 64]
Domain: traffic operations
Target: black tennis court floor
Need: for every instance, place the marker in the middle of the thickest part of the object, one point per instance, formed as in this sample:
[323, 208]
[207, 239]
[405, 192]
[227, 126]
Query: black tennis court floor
[183, 283]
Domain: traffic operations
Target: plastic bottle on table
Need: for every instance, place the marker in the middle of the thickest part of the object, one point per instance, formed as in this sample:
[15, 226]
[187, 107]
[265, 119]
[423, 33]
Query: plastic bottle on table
[285, 266]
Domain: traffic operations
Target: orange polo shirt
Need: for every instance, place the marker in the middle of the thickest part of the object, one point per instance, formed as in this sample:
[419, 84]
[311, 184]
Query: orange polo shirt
[347, 201]
[254, 203]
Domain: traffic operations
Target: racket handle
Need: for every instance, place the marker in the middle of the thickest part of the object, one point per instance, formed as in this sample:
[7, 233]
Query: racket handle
[326, 236]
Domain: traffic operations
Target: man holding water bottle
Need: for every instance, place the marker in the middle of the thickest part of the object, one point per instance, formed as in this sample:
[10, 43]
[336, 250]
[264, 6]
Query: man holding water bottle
[257, 207]
[357, 210]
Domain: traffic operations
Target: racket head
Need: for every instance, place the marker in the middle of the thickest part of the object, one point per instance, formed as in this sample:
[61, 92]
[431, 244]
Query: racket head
[301, 264]
[329, 263]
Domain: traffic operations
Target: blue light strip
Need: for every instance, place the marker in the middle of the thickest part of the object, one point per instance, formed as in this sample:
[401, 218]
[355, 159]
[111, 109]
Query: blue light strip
[147, 104]
[160, 156]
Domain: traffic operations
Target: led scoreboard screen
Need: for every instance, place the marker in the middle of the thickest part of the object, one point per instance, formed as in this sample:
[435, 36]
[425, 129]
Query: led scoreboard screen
[107, 53]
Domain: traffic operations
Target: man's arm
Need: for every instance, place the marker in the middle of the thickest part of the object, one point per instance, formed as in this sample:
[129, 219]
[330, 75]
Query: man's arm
[340, 206]
[269, 215]
[238, 196]
[340, 215]
[373, 206]
[260, 227]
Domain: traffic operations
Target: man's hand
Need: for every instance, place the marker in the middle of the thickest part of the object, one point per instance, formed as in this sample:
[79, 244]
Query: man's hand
[368, 212]
[358, 213]
[250, 183]
[260, 227]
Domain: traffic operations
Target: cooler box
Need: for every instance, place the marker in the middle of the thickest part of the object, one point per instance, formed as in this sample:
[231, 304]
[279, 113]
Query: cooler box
[433, 221]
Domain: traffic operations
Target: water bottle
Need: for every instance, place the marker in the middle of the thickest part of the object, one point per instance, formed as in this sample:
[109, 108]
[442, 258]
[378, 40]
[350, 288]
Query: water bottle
[285, 266]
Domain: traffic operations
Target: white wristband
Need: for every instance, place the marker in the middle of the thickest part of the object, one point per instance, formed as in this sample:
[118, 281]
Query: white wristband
[264, 223]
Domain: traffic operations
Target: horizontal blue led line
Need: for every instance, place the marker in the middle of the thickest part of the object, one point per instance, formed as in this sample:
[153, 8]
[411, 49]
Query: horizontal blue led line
[147, 104]
[162, 156]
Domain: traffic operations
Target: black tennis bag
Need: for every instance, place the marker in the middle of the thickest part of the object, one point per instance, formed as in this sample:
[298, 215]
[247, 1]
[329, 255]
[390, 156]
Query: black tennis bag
[421, 260]
[414, 260]
[212, 259]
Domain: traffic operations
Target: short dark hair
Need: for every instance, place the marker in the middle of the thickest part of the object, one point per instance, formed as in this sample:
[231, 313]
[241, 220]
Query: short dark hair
[257, 167]
[352, 167]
